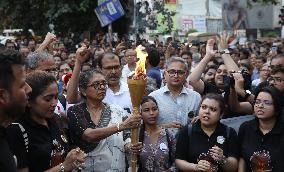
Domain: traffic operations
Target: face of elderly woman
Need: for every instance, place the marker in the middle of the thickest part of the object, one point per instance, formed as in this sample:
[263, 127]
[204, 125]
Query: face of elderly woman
[150, 112]
[96, 88]
[45, 103]
[209, 112]
[263, 107]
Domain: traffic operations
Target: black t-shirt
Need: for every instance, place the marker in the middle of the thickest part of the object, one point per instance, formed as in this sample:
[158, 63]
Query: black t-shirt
[189, 149]
[211, 88]
[42, 143]
[7, 161]
[252, 141]
[260, 85]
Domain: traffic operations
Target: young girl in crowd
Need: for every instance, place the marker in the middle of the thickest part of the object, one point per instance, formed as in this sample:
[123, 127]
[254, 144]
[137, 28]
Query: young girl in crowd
[208, 145]
[158, 151]
[262, 139]
[37, 140]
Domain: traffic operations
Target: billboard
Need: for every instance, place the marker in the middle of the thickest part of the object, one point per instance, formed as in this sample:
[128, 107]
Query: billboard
[157, 16]
[236, 15]
[260, 16]
[192, 22]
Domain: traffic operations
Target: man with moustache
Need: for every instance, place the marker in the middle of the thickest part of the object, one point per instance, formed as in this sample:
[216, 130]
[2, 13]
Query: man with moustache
[118, 92]
[176, 102]
[13, 100]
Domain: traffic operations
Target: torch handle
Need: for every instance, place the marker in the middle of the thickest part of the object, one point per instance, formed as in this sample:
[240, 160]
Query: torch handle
[134, 140]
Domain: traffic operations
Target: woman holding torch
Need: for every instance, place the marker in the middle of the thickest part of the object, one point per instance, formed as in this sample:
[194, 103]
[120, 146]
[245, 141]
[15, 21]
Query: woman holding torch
[98, 128]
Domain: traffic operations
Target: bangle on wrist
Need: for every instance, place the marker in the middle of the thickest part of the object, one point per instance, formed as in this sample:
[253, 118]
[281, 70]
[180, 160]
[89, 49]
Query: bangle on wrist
[62, 169]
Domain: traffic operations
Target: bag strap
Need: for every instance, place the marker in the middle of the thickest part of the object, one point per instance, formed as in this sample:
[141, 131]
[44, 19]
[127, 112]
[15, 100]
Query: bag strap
[189, 130]
[169, 146]
[25, 135]
[227, 132]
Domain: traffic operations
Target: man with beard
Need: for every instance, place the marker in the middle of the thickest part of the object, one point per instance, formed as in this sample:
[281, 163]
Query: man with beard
[219, 86]
[204, 87]
[13, 100]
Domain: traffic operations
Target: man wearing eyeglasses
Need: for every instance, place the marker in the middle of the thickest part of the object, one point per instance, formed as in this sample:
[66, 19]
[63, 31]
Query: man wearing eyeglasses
[277, 78]
[277, 74]
[118, 92]
[175, 101]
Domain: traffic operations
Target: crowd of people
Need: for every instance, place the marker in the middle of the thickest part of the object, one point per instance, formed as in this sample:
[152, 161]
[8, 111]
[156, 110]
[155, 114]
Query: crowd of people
[66, 107]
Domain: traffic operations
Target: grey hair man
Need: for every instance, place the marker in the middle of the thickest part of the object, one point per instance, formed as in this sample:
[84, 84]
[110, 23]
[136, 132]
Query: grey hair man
[40, 60]
[175, 101]
[43, 61]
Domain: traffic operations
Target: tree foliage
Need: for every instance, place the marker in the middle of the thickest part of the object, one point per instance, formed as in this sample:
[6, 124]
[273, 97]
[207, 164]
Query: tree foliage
[66, 15]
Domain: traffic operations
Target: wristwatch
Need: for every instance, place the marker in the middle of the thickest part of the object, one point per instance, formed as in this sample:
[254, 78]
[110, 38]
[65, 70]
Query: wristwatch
[247, 94]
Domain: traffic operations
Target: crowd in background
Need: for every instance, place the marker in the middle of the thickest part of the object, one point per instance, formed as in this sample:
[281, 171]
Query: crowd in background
[78, 109]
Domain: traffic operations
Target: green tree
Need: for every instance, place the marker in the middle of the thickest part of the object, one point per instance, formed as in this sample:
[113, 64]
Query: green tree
[66, 15]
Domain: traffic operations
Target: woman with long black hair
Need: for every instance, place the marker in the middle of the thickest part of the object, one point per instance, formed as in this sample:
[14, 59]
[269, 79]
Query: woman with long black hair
[158, 150]
[37, 140]
[262, 139]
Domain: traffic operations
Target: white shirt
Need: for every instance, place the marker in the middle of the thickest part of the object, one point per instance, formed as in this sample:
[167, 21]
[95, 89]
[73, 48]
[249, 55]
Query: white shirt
[120, 98]
[59, 109]
[124, 73]
[255, 82]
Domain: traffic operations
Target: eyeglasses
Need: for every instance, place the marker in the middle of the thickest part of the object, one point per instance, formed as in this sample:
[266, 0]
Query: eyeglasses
[264, 102]
[99, 85]
[112, 67]
[275, 79]
[172, 72]
[275, 66]
[264, 70]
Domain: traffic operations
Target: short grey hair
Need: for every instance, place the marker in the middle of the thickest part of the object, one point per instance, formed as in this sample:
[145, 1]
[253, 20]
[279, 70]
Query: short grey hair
[176, 59]
[34, 58]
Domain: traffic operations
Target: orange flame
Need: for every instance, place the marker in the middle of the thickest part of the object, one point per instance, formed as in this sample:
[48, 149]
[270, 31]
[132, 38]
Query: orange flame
[140, 69]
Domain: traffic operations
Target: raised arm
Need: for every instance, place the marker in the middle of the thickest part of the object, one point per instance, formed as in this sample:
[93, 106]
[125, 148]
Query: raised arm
[223, 41]
[234, 104]
[73, 96]
[49, 38]
[195, 76]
